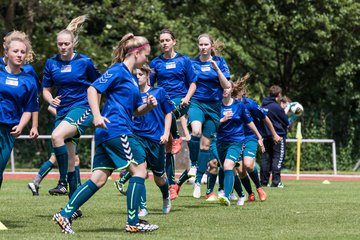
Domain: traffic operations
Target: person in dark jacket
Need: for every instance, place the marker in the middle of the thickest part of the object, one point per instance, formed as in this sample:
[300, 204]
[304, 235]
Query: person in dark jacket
[274, 155]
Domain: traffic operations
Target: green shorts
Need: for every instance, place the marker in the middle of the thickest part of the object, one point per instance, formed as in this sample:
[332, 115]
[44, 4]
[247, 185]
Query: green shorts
[229, 150]
[80, 117]
[153, 153]
[250, 148]
[7, 142]
[206, 113]
[179, 110]
[117, 153]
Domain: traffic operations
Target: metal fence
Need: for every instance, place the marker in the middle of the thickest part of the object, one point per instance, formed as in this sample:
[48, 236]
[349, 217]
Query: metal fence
[331, 141]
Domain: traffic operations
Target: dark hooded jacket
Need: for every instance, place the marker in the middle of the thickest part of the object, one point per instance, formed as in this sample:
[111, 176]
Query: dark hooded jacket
[277, 116]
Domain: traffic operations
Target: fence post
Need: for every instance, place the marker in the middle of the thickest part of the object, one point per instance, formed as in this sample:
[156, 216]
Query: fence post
[12, 161]
[334, 157]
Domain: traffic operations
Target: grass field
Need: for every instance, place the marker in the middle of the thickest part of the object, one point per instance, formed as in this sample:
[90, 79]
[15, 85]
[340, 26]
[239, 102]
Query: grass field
[302, 210]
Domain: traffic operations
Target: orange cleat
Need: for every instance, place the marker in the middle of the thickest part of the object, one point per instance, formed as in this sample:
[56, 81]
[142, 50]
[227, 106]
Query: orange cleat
[211, 197]
[176, 145]
[173, 189]
[251, 197]
[262, 194]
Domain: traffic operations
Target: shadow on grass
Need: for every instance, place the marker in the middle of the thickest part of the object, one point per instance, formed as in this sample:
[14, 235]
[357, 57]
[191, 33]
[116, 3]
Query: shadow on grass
[14, 224]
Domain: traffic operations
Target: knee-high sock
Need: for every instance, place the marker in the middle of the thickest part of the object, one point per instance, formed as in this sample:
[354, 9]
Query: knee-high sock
[77, 173]
[80, 196]
[228, 182]
[203, 159]
[247, 185]
[174, 129]
[221, 178]
[255, 177]
[61, 154]
[165, 189]
[43, 171]
[125, 178]
[184, 176]
[194, 147]
[170, 168]
[237, 187]
[143, 204]
[72, 180]
[133, 198]
[211, 180]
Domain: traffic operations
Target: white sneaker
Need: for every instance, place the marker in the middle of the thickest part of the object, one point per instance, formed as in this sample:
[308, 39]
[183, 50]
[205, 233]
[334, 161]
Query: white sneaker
[224, 201]
[204, 179]
[166, 205]
[143, 212]
[233, 197]
[192, 171]
[221, 193]
[197, 190]
[241, 201]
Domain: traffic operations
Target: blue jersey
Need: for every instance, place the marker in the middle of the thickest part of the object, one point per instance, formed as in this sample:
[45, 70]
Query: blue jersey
[233, 129]
[208, 86]
[30, 70]
[122, 98]
[257, 113]
[18, 94]
[152, 124]
[71, 78]
[174, 75]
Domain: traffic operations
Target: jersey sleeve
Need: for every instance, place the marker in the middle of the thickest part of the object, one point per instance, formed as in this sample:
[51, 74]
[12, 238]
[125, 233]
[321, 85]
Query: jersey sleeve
[167, 105]
[30, 70]
[105, 81]
[92, 72]
[153, 74]
[224, 68]
[189, 71]
[31, 101]
[47, 78]
[245, 115]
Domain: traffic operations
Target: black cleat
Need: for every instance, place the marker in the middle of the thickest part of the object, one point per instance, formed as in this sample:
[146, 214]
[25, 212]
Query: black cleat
[60, 189]
[34, 189]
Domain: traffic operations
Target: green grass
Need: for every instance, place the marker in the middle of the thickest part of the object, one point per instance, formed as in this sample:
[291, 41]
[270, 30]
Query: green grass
[302, 210]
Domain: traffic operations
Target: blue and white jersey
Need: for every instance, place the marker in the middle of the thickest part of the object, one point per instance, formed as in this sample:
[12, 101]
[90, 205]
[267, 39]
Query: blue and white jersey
[122, 93]
[18, 94]
[152, 124]
[174, 75]
[30, 70]
[233, 129]
[257, 113]
[72, 79]
[208, 86]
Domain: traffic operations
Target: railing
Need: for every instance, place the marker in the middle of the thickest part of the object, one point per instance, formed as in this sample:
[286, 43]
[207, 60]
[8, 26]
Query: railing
[93, 147]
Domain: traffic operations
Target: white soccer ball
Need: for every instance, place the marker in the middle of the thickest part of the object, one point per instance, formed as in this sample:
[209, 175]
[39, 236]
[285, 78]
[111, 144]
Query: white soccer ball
[296, 108]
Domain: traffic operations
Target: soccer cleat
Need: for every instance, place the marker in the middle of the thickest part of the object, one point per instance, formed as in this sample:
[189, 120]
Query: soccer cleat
[262, 194]
[34, 189]
[251, 197]
[280, 185]
[211, 197]
[60, 189]
[143, 212]
[197, 190]
[233, 197]
[192, 171]
[166, 206]
[241, 201]
[224, 201]
[77, 214]
[176, 145]
[177, 188]
[120, 187]
[221, 193]
[173, 189]
[141, 226]
[64, 223]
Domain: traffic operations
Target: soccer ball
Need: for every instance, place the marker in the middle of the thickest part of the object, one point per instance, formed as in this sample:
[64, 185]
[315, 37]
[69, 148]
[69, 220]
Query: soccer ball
[296, 108]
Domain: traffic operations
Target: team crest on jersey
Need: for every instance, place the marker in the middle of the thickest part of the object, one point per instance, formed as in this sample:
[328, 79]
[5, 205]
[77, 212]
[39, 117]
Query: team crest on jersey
[205, 68]
[105, 77]
[170, 65]
[12, 81]
[65, 68]
[144, 99]
[227, 111]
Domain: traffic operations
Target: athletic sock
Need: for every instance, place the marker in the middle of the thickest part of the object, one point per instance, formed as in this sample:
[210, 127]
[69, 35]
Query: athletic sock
[143, 199]
[255, 177]
[221, 178]
[247, 185]
[133, 198]
[194, 147]
[174, 129]
[125, 178]
[183, 178]
[203, 159]
[228, 183]
[61, 154]
[77, 173]
[170, 168]
[237, 187]
[165, 189]
[72, 180]
[80, 196]
[1, 180]
[43, 171]
[211, 180]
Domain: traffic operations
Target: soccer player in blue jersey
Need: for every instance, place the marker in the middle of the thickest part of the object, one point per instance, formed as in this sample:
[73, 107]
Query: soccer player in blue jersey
[71, 73]
[173, 71]
[116, 147]
[204, 113]
[231, 136]
[18, 94]
[247, 165]
[152, 131]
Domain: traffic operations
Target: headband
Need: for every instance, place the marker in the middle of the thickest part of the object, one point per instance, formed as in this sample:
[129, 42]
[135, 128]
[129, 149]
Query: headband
[138, 48]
